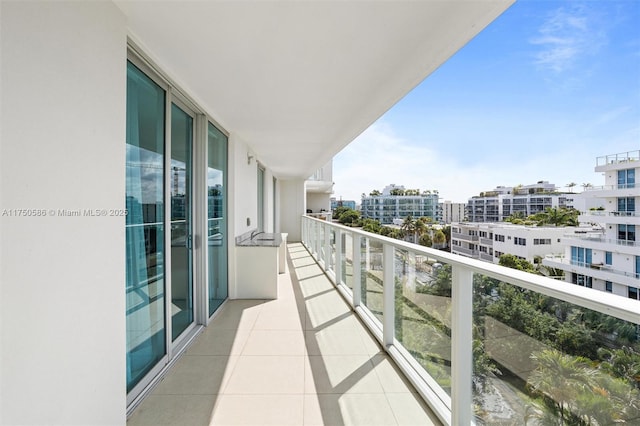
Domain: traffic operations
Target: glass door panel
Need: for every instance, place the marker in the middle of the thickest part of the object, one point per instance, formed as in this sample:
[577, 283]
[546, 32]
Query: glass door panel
[216, 217]
[144, 232]
[181, 254]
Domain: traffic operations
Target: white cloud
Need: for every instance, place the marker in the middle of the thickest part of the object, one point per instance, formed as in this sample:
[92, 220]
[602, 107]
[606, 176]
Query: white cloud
[565, 37]
[378, 158]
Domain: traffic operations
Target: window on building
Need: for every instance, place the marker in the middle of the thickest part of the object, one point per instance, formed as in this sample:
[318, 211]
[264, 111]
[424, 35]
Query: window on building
[626, 204]
[520, 241]
[582, 280]
[541, 241]
[608, 258]
[626, 178]
[580, 256]
[626, 232]
[608, 286]
[633, 292]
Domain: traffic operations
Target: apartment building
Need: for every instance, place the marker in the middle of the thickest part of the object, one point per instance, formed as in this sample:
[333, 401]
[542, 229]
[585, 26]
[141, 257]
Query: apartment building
[489, 241]
[141, 139]
[503, 201]
[351, 204]
[394, 203]
[607, 259]
[449, 212]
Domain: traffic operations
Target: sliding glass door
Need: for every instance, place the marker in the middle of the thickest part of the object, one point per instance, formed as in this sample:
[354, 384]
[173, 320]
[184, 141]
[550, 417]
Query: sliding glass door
[145, 275]
[176, 195]
[216, 217]
[181, 221]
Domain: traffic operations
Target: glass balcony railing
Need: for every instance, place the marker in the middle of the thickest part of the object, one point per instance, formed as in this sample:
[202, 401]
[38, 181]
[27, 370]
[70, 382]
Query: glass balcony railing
[624, 157]
[599, 266]
[487, 344]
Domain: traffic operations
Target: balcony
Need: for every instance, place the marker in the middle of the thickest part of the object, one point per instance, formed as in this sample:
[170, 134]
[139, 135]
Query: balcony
[423, 338]
[466, 333]
[304, 358]
[465, 251]
[615, 161]
[622, 190]
[597, 241]
[612, 217]
[595, 270]
[486, 241]
[465, 237]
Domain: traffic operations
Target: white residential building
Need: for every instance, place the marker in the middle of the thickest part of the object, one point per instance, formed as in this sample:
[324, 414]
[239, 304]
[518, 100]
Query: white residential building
[489, 241]
[503, 201]
[608, 259]
[319, 188]
[449, 212]
[386, 207]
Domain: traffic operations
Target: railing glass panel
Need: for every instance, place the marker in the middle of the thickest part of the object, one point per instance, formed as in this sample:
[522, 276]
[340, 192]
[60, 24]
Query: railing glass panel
[423, 313]
[541, 360]
[372, 277]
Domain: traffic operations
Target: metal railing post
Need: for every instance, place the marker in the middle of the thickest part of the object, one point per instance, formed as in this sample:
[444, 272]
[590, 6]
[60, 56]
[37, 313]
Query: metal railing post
[317, 241]
[357, 269]
[388, 295]
[461, 345]
[327, 247]
[337, 266]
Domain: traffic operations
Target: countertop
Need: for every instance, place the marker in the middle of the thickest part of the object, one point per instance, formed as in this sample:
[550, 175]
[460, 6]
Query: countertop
[260, 240]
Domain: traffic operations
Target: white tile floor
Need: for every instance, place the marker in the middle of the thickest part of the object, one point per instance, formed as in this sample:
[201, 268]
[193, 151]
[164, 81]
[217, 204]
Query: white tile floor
[303, 359]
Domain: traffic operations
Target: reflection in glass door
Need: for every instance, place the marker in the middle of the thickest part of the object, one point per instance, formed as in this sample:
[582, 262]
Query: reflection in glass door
[216, 217]
[145, 278]
[181, 223]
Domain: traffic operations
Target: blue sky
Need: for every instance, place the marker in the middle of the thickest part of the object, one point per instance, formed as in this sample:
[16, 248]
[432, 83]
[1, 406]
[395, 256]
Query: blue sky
[538, 95]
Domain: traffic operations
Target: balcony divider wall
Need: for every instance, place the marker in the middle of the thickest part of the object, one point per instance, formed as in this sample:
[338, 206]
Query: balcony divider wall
[450, 325]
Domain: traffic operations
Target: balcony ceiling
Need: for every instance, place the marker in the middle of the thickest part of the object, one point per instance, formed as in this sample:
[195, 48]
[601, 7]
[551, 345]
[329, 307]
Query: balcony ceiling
[298, 81]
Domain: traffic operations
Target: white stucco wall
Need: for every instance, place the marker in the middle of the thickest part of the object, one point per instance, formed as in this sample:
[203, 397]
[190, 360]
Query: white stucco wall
[292, 207]
[62, 278]
[243, 188]
[318, 201]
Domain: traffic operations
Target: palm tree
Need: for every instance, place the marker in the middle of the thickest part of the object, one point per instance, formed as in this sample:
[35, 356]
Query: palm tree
[586, 186]
[439, 237]
[408, 225]
[561, 378]
[571, 185]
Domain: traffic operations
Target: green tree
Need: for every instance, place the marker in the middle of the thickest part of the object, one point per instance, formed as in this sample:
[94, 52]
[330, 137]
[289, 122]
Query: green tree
[408, 225]
[514, 262]
[425, 240]
[439, 237]
[349, 217]
[560, 378]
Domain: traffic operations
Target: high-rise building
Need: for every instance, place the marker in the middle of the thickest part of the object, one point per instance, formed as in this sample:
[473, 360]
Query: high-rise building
[503, 201]
[607, 259]
[449, 212]
[397, 203]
